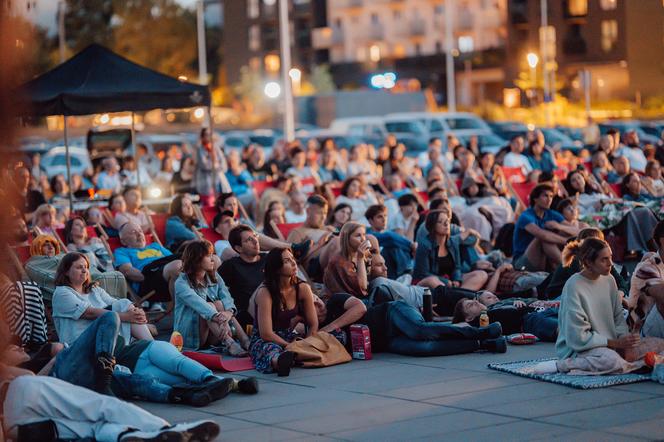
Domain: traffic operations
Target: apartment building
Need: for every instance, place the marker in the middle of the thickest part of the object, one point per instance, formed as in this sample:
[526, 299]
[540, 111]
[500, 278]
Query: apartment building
[408, 36]
[621, 43]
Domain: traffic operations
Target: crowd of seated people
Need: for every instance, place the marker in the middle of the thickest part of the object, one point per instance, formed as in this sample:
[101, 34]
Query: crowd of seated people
[258, 252]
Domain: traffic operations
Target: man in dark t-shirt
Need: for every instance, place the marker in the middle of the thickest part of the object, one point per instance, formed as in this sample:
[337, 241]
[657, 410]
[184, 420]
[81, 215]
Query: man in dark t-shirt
[244, 273]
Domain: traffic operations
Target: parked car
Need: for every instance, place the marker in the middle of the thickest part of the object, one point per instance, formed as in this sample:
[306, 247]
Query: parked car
[575, 133]
[508, 129]
[626, 126]
[412, 133]
[488, 142]
[54, 161]
[441, 124]
[653, 128]
[558, 140]
[342, 141]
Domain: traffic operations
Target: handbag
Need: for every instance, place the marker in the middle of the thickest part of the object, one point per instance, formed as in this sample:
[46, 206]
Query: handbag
[319, 350]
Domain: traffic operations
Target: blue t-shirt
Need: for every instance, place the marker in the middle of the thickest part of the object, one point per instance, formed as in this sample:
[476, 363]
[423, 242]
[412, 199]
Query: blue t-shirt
[139, 258]
[521, 239]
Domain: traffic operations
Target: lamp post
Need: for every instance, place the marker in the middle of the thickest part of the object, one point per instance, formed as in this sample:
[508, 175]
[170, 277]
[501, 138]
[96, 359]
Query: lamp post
[449, 57]
[532, 59]
[296, 77]
[284, 42]
[62, 8]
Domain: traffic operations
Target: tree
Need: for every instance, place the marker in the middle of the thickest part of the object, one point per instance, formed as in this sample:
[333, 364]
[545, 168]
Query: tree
[248, 88]
[321, 79]
[87, 22]
[159, 34]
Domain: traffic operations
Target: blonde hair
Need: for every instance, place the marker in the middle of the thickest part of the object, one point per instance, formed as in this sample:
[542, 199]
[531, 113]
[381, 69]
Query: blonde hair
[584, 249]
[43, 208]
[344, 237]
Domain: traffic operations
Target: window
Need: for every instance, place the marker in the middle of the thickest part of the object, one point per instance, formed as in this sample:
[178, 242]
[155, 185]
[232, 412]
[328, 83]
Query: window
[463, 123]
[577, 8]
[374, 19]
[253, 10]
[466, 44]
[254, 37]
[438, 9]
[608, 5]
[439, 47]
[609, 34]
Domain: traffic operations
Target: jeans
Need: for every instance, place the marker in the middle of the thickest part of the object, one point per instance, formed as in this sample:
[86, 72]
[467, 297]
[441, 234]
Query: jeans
[542, 324]
[148, 388]
[409, 334]
[397, 260]
[164, 362]
[76, 363]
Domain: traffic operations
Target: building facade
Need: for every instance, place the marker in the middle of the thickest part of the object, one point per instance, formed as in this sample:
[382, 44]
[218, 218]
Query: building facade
[251, 29]
[365, 37]
[621, 43]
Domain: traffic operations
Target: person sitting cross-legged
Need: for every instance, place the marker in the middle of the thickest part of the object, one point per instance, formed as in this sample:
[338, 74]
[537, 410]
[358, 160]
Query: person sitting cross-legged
[204, 309]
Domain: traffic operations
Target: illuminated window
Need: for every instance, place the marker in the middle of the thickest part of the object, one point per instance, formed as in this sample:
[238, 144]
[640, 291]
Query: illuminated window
[254, 38]
[374, 53]
[253, 10]
[609, 34]
[577, 7]
[466, 44]
[607, 5]
[272, 63]
[399, 51]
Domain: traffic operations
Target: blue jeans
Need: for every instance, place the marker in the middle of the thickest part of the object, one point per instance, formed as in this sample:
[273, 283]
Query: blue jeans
[409, 334]
[76, 363]
[542, 324]
[148, 388]
[164, 362]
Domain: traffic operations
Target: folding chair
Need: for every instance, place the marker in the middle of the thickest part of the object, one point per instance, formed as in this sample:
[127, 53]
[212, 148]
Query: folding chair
[522, 192]
[285, 229]
[159, 225]
[513, 174]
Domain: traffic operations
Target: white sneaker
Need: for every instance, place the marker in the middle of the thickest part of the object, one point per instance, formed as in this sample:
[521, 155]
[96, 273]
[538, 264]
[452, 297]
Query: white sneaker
[157, 307]
[198, 431]
[546, 367]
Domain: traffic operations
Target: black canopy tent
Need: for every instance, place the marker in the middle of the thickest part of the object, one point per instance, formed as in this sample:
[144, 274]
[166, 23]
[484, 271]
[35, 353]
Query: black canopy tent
[98, 80]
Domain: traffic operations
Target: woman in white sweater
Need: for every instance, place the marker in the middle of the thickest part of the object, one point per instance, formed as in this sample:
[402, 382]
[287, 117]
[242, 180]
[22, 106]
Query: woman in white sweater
[593, 336]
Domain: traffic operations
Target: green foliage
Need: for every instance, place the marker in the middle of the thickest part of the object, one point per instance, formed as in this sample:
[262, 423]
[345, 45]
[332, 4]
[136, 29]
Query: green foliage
[249, 87]
[321, 79]
[87, 22]
[159, 34]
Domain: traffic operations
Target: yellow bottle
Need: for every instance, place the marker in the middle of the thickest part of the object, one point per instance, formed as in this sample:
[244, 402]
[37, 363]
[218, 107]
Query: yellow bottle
[484, 319]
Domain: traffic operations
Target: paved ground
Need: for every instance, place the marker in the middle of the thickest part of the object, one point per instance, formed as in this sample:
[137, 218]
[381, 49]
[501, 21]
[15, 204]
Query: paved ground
[456, 398]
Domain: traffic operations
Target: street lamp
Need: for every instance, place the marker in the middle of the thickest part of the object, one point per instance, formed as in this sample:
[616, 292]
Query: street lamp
[296, 76]
[272, 89]
[533, 59]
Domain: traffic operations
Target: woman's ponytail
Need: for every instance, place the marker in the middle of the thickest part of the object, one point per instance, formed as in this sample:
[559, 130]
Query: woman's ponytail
[570, 251]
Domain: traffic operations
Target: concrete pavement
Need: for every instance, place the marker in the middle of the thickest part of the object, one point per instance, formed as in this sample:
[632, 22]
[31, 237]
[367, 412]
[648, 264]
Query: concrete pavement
[394, 397]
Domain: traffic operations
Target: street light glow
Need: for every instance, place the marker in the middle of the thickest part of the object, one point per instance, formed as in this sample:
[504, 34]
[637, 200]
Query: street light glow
[533, 59]
[272, 89]
[295, 74]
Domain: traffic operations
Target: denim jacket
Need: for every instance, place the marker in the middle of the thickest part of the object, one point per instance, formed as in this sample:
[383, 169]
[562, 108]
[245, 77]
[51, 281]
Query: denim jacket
[462, 250]
[191, 304]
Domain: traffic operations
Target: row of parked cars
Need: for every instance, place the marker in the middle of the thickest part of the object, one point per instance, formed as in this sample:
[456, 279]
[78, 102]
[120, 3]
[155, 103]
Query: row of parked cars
[414, 129]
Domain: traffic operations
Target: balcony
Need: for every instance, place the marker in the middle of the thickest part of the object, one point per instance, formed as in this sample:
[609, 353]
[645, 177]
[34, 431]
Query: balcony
[354, 4]
[464, 20]
[417, 28]
[325, 38]
[375, 32]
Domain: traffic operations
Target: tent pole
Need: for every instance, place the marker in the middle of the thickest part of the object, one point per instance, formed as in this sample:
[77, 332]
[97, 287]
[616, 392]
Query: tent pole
[133, 143]
[68, 157]
[210, 123]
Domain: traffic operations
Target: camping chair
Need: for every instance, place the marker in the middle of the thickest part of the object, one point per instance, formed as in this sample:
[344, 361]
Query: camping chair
[211, 235]
[158, 224]
[283, 230]
[513, 174]
[522, 192]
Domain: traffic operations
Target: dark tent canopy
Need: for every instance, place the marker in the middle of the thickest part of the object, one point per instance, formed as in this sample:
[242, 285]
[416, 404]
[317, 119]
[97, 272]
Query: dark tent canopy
[98, 80]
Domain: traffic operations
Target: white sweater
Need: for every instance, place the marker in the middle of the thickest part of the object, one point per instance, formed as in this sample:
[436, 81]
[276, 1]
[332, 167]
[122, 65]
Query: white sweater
[590, 314]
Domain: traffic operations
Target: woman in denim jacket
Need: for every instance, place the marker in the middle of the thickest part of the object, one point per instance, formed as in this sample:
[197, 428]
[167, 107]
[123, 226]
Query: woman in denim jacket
[204, 309]
[451, 264]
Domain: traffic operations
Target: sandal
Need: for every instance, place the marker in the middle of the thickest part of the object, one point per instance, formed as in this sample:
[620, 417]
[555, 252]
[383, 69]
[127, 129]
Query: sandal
[236, 350]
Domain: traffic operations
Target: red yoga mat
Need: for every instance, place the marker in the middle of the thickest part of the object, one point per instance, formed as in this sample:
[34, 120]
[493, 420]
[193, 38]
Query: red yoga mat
[215, 361]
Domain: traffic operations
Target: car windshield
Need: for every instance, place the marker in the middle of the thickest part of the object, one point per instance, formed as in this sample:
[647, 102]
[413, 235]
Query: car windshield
[554, 136]
[463, 123]
[61, 160]
[263, 140]
[235, 142]
[403, 127]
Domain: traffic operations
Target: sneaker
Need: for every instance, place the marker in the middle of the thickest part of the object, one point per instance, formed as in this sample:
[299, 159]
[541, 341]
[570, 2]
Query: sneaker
[199, 431]
[498, 345]
[157, 307]
[284, 363]
[247, 386]
[104, 366]
[203, 394]
[492, 331]
[163, 435]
